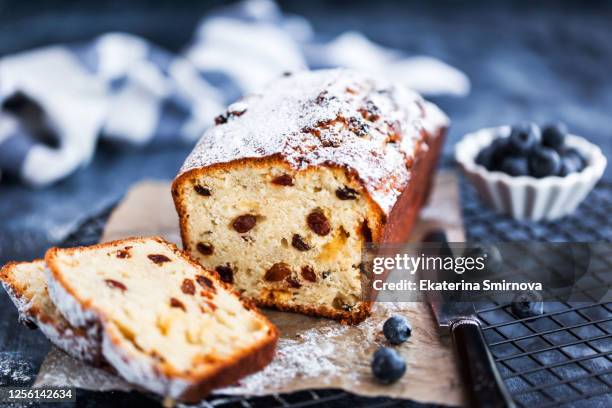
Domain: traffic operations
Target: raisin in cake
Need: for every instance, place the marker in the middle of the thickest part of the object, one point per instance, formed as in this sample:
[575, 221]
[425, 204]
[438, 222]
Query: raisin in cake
[26, 285]
[281, 196]
[167, 324]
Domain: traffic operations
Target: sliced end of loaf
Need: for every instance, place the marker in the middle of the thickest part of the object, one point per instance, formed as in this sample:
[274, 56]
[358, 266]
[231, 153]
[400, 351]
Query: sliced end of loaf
[168, 325]
[288, 239]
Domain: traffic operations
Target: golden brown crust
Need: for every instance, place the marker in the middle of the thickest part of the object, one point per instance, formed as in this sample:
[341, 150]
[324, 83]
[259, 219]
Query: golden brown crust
[247, 363]
[228, 372]
[341, 316]
[6, 270]
[6, 274]
[402, 217]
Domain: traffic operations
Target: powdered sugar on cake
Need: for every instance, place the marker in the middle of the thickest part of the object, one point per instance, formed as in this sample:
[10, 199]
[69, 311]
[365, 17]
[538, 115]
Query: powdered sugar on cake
[328, 117]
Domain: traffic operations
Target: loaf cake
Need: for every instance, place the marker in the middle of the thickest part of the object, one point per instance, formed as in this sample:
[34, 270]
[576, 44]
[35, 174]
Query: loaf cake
[284, 193]
[26, 285]
[166, 324]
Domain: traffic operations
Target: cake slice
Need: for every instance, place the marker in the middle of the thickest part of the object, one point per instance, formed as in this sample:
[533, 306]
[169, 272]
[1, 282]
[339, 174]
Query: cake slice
[284, 194]
[26, 285]
[167, 324]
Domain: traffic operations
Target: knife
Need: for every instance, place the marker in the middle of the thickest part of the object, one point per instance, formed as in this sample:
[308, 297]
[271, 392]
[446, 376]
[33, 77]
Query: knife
[485, 386]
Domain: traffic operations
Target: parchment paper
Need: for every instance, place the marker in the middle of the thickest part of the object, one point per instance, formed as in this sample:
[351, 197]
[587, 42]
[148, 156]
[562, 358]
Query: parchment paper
[312, 353]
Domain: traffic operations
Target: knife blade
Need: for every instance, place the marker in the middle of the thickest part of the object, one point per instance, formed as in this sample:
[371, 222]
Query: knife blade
[448, 312]
[457, 318]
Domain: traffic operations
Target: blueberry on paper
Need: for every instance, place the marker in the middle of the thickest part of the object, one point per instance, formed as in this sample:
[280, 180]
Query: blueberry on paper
[553, 135]
[515, 166]
[397, 329]
[523, 138]
[388, 365]
[527, 304]
[544, 162]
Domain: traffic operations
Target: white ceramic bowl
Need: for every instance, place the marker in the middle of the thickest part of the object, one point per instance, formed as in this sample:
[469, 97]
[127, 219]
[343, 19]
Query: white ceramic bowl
[525, 197]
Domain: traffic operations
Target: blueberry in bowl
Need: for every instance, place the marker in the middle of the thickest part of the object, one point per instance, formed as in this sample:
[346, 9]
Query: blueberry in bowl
[529, 151]
[529, 172]
[553, 135]
[572, 161]
[515, 166]
[485, 156]
[544, 161]
[523, 138]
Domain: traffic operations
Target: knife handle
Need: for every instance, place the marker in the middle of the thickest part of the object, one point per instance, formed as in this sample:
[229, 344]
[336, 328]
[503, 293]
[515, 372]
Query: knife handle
[486, 388]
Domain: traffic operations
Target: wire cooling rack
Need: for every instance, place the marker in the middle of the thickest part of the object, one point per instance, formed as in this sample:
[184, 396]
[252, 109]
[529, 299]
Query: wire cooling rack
[564, 356]
[560, 358]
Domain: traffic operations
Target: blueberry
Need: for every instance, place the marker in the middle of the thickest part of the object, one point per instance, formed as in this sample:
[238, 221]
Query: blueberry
[501, 149]
[569, 164]
[515, 166]
[572, 161]
[553, 135]
[575, 155]
[397, 329]
[523, 138]
[527, 304]
[490, 157]
[388, 365]
[484, 157]
[543, 162]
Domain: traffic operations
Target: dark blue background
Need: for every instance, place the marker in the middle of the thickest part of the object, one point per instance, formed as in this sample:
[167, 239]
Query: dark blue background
[541, 62]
